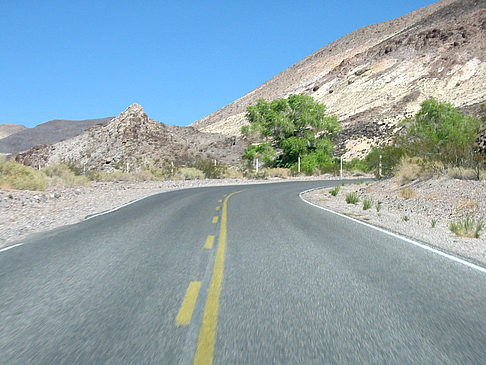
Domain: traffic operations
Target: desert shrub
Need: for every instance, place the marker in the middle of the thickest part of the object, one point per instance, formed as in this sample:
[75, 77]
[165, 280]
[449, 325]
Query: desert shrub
[14, 175]
[189, 173]
[356, 164]
[407, 193]
[367, 204]
[378, 206]
[61, 175]
[233, 173]
[352, 198]
[414, 168]
[467, 227]
[277, 172]
[116, 175]
[461, 173]
[390, 158]
[334, 191]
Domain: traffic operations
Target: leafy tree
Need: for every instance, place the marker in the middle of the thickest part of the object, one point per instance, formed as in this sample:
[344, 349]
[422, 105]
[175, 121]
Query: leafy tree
[291, 127]
[439, 132]
[390, 157]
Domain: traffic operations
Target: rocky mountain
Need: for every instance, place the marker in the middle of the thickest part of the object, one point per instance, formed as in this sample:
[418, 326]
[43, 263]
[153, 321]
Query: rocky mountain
[46, 133]
[376, 76]
[133, 139]
[9, 129]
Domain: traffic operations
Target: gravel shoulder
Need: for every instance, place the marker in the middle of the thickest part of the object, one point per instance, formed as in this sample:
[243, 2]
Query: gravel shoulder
[422, 210]
[24, 212]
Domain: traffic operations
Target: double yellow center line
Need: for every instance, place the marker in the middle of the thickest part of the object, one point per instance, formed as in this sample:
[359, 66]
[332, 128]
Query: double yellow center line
[207, 333]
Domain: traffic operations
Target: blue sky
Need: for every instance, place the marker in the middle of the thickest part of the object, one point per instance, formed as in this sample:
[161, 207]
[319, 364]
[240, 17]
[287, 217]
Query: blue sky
[180, 60]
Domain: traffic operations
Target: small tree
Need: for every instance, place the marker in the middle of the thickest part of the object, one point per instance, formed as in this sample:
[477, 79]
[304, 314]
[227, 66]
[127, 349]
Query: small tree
[439, 132]
[291, 127]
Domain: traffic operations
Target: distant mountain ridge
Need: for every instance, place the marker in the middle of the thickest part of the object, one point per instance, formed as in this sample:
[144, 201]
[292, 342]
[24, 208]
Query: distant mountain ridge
[46, 133]
[375, 76]
[9, 129]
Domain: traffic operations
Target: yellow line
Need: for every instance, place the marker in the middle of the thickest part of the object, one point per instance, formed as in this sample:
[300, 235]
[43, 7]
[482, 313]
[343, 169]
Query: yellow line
[207, 334]
[218, 208]
[209, 242]
[187, 307]
[215, 219]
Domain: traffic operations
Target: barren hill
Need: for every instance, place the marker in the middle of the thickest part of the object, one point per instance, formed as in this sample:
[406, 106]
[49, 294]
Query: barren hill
[133, 139]
[46, 133]
[375, 76]
[9, 129]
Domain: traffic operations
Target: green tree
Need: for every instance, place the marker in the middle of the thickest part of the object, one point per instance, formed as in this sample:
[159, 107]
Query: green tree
[440, 133]
[291, 127]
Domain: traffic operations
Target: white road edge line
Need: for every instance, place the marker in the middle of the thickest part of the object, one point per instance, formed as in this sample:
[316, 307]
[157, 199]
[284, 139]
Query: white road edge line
[9, 247]
[92, 216]
[415, 243]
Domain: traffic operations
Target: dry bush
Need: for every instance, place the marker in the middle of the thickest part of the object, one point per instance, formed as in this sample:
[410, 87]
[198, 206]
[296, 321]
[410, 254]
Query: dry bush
[407, 193]
[412, 169]
[14, 175]
[117, 175]
[61, 175]
[189, 173]
[277, 172]
[461, 173]
[233, 173]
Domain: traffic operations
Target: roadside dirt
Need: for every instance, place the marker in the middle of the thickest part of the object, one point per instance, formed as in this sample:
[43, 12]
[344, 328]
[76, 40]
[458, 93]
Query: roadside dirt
[422, 210]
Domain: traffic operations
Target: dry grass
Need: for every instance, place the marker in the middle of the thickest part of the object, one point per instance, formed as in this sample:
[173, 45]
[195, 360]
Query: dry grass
[412, 169]
[408, 193]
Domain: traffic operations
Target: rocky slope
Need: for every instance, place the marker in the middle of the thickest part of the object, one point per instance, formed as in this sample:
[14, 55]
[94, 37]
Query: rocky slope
[131, 140]
[9, 129]
[375, 76]
[46, 133]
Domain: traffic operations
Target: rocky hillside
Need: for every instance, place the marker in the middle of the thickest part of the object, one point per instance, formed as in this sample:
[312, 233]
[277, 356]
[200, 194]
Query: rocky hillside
[375, 76]
[9, 129]
[132, 139]
[46, 133]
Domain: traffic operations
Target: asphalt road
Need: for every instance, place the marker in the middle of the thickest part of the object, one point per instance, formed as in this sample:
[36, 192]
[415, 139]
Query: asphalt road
[254, 277]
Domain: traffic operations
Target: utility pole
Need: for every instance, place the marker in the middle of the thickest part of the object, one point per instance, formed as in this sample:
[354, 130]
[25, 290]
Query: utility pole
[380, 169]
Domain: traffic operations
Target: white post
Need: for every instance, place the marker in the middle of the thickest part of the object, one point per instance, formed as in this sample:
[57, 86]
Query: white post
[298, 164]
[214, 163]
[84, 169]
[128, 167]
[341, 168]
[172, 167]
[380, 168]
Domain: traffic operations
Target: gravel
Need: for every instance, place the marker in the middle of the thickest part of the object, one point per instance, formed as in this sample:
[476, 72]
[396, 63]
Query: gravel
[422, 210]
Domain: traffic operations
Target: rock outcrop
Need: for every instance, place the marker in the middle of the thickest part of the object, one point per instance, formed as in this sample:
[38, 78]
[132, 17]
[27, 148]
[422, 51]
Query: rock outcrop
[132, 140]
[378, 75]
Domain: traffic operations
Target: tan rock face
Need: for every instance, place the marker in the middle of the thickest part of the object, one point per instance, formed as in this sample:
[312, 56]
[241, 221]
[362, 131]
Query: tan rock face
[376, 76]
[132, 140]
[9, 129]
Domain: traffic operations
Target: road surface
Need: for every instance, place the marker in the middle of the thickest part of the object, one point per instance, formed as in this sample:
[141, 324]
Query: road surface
[235, 275]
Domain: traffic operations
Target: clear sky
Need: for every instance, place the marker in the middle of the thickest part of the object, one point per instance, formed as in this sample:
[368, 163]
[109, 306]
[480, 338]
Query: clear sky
[180, 60]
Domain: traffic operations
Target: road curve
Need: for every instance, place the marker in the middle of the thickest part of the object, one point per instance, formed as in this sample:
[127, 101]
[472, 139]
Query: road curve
[235, 275]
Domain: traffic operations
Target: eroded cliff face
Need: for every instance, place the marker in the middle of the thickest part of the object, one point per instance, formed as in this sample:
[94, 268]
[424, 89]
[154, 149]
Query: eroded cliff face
[132, 140]
[376, 76]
